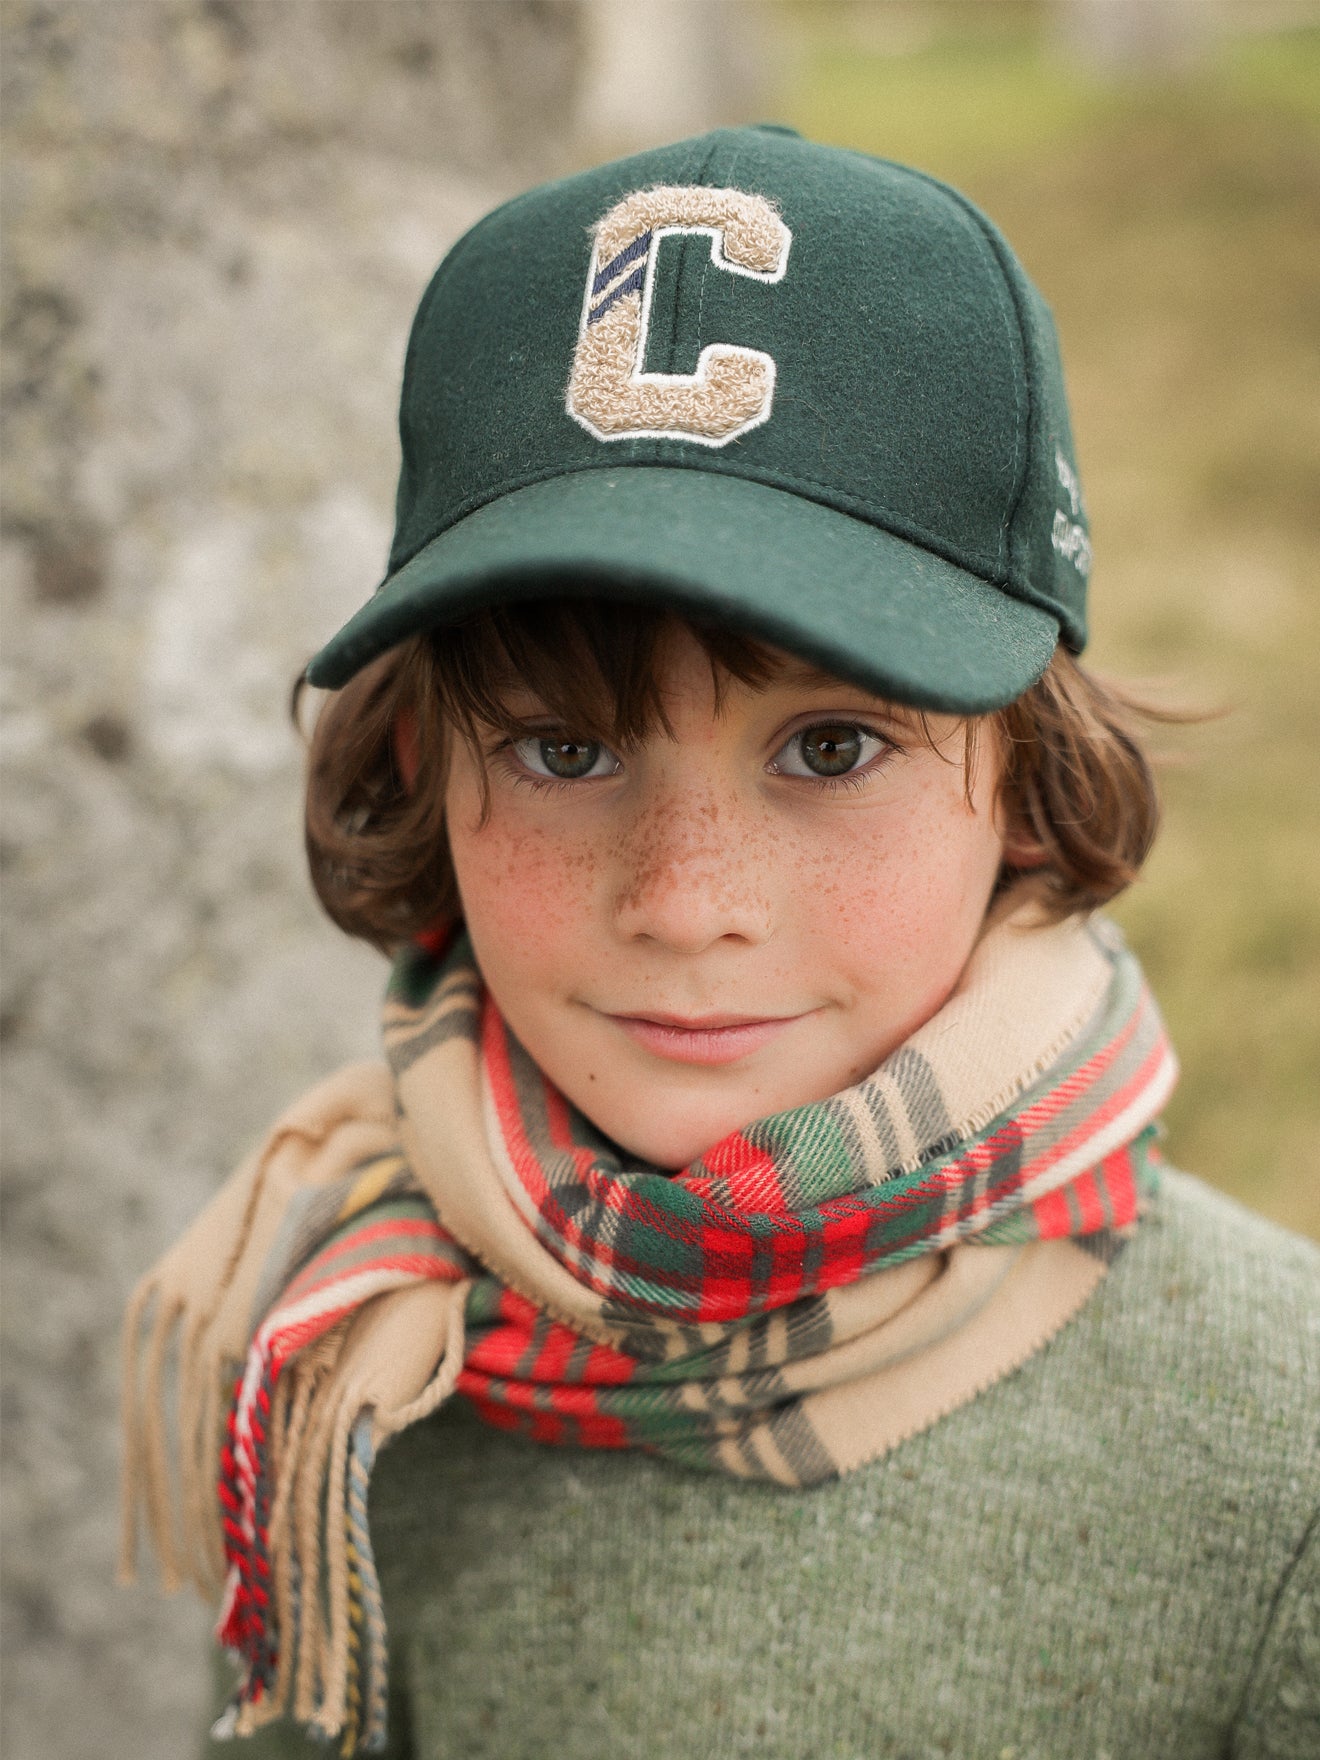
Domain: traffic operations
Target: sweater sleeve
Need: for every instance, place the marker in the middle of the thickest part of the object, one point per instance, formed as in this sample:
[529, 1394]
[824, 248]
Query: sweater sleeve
[1280, 1716]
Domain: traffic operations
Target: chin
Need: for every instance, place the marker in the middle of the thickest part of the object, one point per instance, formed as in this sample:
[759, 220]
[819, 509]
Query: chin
[667, 1153]
[674, 1148]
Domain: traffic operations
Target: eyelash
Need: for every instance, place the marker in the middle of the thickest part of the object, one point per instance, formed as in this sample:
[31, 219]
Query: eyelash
[853, 779]
[506, 757]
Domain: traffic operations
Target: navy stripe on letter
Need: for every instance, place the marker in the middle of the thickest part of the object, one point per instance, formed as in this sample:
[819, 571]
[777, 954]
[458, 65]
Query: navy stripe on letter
[631, 285]
[630, 254]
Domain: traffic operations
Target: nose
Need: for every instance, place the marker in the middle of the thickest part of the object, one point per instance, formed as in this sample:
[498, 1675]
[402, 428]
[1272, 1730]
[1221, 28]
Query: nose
[694, 871]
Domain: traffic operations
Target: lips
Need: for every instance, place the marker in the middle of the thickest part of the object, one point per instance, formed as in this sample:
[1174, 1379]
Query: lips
[708, 1039]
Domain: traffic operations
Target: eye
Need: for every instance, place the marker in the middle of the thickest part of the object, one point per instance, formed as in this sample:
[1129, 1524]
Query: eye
[565, 760]
[831, 748]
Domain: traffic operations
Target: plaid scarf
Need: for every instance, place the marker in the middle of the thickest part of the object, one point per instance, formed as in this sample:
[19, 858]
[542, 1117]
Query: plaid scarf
[817, 1287]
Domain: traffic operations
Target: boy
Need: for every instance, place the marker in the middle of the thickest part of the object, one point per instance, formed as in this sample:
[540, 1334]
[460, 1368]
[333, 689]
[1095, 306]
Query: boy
[763, 1097]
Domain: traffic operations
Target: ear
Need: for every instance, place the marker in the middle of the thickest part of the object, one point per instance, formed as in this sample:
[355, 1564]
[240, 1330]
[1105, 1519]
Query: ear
[407, 747]
[1025, 854]
[1022, 849]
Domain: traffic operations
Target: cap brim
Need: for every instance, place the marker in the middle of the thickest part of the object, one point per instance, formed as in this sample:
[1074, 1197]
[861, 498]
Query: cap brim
[852, 598]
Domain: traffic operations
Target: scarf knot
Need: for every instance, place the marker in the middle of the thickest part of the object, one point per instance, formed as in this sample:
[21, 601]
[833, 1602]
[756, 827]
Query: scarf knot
[818, 1286]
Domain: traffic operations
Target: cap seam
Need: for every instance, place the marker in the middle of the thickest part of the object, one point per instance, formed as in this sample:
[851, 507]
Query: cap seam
[1002, 258]
[1022, 458]
[726, 180]
[462, 244]
[439, 275]
[702, 173]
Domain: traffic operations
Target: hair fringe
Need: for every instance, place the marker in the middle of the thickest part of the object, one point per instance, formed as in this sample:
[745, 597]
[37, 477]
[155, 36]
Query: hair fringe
[1076, 783]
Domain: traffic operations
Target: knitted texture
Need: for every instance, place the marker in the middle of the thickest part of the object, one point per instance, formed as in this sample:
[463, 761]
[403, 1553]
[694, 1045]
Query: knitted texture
[1114, 1551]
[747, 1315]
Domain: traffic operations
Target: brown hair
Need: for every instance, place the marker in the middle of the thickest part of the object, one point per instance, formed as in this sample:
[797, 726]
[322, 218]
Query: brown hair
[1075, 782]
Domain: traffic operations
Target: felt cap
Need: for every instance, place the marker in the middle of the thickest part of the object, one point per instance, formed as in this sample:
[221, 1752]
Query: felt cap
[794, 389]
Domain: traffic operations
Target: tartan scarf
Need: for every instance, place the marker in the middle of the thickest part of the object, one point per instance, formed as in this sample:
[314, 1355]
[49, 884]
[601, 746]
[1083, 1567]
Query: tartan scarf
[816, 1288]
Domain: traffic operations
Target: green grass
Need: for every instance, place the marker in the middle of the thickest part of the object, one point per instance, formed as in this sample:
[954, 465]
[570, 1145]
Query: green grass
[1174, 225]
[989, 95]
[962, 100]
[1281, 72]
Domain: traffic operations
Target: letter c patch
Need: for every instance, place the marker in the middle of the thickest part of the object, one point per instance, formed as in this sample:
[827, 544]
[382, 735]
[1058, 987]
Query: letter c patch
[733, 388]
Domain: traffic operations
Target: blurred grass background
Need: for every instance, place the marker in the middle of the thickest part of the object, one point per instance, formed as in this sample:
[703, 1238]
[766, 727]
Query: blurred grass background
[1171, 215]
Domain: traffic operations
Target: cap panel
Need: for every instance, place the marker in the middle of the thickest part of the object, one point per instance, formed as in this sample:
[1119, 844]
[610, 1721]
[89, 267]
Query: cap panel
[1049, 544]
[898, 366]
[482, 408]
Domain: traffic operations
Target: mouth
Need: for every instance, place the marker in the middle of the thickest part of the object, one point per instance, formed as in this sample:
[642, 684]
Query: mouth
[709, 1039]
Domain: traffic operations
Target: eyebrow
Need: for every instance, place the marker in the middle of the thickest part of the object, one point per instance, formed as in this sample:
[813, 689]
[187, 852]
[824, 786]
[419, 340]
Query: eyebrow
[807, 675]
[795, 671]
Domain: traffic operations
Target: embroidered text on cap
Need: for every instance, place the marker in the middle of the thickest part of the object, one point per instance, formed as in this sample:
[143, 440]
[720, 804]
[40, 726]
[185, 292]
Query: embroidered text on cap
[733, 387]
[1067, 536]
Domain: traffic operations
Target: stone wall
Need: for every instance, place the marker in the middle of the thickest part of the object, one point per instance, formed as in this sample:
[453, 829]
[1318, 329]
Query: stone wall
[219, 218]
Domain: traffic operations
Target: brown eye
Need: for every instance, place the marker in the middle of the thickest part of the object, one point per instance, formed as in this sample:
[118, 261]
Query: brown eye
[831, 750]
[569, 759]
[566, 760]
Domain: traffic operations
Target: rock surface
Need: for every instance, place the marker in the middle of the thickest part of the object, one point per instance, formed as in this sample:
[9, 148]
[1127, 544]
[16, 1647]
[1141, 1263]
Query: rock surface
[220, 217]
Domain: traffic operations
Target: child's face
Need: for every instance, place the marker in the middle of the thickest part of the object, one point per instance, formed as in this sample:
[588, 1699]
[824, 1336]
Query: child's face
[705, 930]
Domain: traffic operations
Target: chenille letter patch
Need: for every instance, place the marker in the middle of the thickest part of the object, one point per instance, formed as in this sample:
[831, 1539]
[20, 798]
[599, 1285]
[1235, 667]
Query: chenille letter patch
[733, 388]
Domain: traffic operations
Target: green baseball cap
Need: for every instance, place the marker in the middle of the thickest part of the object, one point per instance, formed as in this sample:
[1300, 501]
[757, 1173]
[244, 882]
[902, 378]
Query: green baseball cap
[794, 389]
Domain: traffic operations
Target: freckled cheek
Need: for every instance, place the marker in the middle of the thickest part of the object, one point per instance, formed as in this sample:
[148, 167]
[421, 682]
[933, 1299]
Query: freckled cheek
[894, 901]
[524, 894]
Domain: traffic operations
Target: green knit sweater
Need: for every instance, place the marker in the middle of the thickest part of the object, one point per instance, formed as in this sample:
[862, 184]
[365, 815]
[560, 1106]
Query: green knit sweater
[1113, 1552]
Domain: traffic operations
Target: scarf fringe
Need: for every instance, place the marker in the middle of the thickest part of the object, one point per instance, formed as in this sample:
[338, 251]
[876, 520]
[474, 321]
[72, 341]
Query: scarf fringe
[185, 1331]
[145, 1477]
[169, 1480]
[321, 1278]
[328, 1646]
